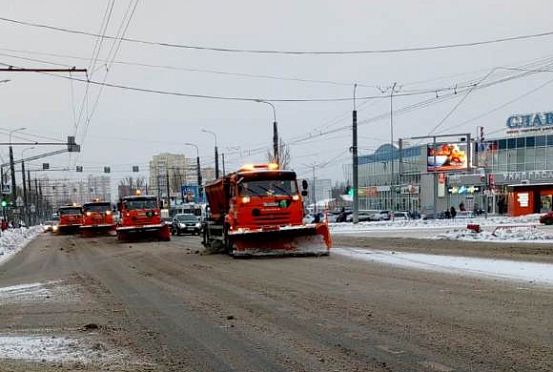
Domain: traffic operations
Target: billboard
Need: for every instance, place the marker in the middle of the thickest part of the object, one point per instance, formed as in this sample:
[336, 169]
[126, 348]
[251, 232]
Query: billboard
[447, 157]
[190, 194]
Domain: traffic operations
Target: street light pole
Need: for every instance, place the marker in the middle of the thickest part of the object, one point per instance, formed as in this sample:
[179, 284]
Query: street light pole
[198, 170]
[275, 131]
[25, 209]
[392, 191]
[216, 151]
[12, 164]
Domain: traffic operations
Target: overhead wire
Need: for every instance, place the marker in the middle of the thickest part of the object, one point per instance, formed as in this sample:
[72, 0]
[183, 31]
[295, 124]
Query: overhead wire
[285, 52]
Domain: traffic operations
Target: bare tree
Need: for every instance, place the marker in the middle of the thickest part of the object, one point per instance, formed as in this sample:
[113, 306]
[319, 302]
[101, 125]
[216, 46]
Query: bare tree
[283, 155]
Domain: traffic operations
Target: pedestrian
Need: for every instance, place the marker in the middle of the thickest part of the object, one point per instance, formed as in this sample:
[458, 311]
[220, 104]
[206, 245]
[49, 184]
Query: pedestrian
[342, 216]
[453, 212]
[462, 207]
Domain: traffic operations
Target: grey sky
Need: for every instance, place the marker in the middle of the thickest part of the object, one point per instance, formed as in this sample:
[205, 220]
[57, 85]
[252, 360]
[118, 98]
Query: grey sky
[129, 127]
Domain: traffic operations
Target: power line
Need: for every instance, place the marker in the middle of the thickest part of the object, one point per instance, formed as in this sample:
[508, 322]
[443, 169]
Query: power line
[285, 52]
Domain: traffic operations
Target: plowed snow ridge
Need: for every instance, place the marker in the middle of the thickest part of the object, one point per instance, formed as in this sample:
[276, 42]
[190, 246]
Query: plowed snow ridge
[539, 273]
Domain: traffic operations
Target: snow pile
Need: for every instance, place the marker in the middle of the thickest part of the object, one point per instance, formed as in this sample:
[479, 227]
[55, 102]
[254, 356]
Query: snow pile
[51, 291]
[511, 234]
[12, 240]
[349, 228]
[50, 348]
[532, 272]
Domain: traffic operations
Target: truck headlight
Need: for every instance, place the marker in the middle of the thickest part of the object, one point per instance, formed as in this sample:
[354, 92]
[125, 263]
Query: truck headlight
[182, 226]
[198, 225]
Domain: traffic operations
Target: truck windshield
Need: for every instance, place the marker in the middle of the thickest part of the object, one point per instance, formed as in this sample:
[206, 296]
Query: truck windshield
[268, 188]
[70, 211]
[100, 208]
[141, 204]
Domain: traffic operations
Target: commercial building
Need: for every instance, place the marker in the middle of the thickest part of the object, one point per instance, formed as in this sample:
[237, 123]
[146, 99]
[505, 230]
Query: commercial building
[168, 172]
[510, 174]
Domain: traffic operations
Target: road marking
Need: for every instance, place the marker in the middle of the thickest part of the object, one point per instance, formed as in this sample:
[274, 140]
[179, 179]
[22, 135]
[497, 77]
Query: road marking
[435, 366]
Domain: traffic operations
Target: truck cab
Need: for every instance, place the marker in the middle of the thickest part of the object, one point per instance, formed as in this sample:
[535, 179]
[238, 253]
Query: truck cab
[97, 217]
[259, 199]
[141, 214]
[71, 218]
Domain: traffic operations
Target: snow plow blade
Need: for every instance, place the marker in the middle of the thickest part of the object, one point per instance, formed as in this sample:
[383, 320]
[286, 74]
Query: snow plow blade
[304, 240]
[133, 233]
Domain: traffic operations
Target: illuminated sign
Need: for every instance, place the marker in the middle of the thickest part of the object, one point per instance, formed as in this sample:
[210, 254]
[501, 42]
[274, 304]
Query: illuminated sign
[539, 119]
[522, 199]
[447, 157]
[463, 190]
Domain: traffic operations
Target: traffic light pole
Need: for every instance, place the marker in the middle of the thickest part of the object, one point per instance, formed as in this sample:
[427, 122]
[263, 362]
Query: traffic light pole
[355, 159]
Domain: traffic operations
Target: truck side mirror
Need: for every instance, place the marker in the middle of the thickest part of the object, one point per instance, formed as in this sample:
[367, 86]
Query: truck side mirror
[304, 185]
[119, 206]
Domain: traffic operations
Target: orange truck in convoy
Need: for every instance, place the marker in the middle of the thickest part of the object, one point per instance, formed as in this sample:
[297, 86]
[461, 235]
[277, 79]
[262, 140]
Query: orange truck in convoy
[140, 217]
[97, 218]
[71, 219]
[258, 210]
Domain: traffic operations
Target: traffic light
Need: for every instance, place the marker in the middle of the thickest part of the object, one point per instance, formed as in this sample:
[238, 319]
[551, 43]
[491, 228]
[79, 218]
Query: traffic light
[135, 168]
[4, 203]
[107, 170]
[45, 166]
[79, 168]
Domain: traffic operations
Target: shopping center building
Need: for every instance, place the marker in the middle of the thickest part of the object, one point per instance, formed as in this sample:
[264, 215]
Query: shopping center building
[512, 174]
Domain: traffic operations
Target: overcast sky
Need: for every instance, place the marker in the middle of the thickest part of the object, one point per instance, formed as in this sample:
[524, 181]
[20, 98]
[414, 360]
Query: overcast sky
[129, 127]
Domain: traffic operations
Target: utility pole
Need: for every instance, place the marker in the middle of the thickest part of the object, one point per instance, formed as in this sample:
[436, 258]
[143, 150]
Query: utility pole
[24, 210]
[198, 170]
[355, 162]
[223, 160]
[31, 214]
[392, 183]
[314, 190]
[168, 189]
[216, 151]
[276, 158]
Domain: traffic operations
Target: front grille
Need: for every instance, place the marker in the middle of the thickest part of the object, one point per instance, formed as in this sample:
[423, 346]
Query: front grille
[272, 218]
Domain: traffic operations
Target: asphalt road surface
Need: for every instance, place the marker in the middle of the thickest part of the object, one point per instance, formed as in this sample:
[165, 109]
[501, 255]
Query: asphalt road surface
[166, 306]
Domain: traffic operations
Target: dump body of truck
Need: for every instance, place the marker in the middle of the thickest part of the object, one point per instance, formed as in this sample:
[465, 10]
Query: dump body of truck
[141, 218]
[71, 219]
[97, 219]
[259, 211]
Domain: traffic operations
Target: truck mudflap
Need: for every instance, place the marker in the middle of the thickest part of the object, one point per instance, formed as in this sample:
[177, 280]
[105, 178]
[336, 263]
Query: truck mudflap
[304, 240]
[159, 231]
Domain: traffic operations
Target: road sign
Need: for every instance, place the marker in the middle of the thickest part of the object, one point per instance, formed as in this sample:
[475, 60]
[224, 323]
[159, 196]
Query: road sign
[19, 201]
[6, 189]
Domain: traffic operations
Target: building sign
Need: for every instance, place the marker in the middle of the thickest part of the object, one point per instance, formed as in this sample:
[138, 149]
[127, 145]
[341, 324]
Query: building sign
[530, 122]
[463, 190]
[523, 199]
[447, 157]
[537, 175]
[410, 189]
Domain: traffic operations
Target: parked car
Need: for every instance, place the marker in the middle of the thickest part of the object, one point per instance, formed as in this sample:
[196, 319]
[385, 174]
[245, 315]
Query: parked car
[186, 223]
[382, 215]
[401, 216]
[364, 216]
[547, 219]
[461, 215]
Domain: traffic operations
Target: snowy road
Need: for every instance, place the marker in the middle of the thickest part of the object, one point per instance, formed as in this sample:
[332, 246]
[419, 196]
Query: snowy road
[93, 304]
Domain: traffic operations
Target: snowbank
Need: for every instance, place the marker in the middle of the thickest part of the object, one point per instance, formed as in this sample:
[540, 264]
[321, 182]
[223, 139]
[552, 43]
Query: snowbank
[12, 240]
[519, 271]
[349, 228]
[512, 234]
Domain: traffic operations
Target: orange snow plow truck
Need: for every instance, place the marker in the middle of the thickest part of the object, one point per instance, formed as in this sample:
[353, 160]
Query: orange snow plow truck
[97, 219]
[258, 210]
[141, 218]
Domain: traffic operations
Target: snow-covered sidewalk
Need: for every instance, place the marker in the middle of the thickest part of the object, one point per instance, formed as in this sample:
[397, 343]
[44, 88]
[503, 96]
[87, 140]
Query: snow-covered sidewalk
[13, 240]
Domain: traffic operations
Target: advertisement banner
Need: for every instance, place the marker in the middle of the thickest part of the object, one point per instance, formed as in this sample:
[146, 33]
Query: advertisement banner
[447, 157]
[190, 193]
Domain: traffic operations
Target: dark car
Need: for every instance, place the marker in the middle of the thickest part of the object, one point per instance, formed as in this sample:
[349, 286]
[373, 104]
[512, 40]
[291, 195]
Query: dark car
[547, 219]
[186, 223]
